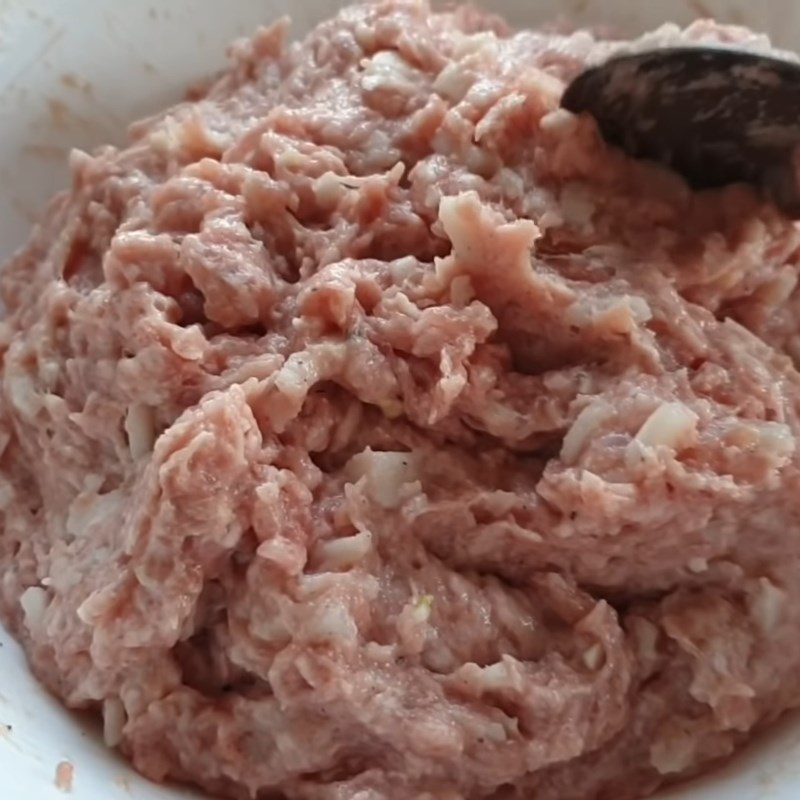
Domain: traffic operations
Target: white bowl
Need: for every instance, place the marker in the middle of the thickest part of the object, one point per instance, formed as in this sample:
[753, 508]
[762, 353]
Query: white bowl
[73, 74]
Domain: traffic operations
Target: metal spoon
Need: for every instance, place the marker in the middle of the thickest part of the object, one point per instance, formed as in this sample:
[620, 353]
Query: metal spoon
[714, 114]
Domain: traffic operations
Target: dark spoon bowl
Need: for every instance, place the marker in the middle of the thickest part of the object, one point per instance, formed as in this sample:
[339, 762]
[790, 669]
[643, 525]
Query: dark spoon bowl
[716, 115]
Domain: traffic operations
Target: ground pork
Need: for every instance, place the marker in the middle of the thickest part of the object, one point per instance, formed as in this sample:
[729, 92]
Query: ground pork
[371, 430]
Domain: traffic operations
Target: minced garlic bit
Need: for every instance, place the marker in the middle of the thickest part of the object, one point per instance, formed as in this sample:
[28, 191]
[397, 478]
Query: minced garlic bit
[671, 425]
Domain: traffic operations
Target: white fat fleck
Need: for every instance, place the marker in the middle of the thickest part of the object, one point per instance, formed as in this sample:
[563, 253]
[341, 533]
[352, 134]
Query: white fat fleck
[468, 43]
[401, 303]
[291, 159]
[775, 439]
[697, 565]
[672, 754]
[778, 291]
[402, 269]
[314, 584]
[345, 552]
[558, 121]
[114, 719]
[495, 732]
[92, 482]
[269, 627]
[388, 70]
[34, 603]
[49, 370]
[495, 676]
[646, 639]
[6, 494]
[582, 430]
[23, 394]
[671, 425]
[160, 140]
[141, 429]
[453, 82]
[331, 624]
[766, 606]
[593, 657]
[639, 307]
[329, 189]
[382, 653]
[386, 474]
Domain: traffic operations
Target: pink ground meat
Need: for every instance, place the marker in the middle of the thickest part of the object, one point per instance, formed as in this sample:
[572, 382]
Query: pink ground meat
[373, 431]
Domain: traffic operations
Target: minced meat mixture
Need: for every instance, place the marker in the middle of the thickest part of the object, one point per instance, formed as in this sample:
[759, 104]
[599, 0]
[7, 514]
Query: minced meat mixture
[371, 430]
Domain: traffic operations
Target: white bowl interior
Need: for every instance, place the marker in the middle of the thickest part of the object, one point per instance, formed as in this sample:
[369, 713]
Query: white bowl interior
[74, 74]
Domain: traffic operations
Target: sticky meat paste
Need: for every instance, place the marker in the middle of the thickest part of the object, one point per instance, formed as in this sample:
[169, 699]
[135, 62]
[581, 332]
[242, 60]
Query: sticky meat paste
[371, 430]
